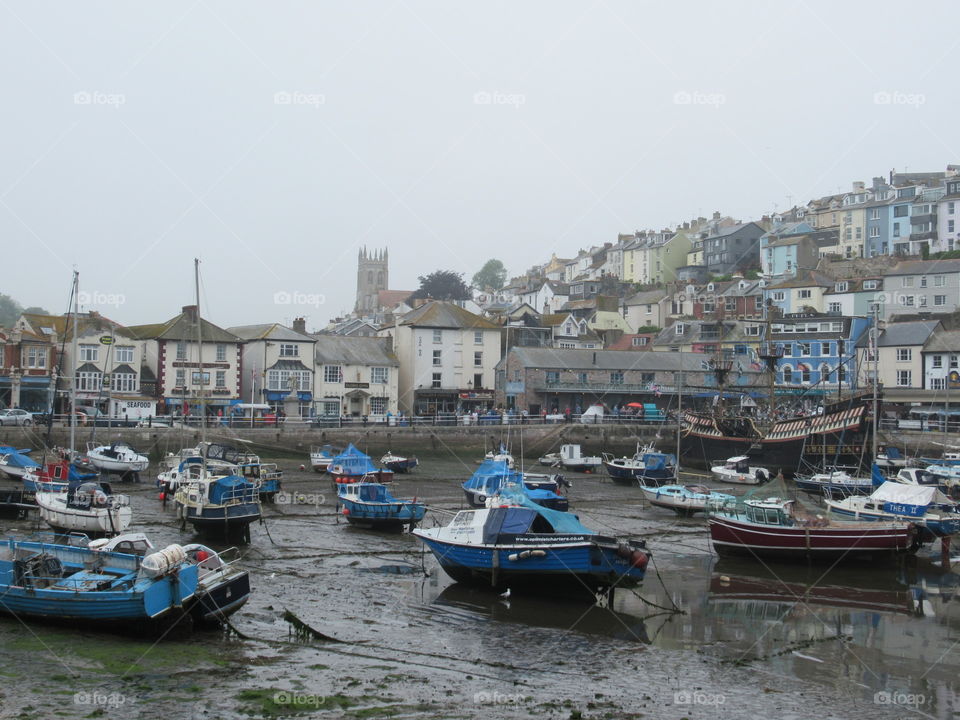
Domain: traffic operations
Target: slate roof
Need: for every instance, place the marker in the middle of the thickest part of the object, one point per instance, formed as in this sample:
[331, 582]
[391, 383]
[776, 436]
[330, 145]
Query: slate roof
[439, 314]
[347, 350]
[646, 297]
[925, 267]
[906, 333]
[182, 327]
[62, 325]
[943, 341]
[611, 360]
[271, 331]
[809, 279]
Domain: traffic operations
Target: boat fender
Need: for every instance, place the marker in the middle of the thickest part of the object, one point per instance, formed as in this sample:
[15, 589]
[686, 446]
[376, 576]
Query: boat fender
[160, 563]
[537, 553]
[346, 511]
[639, 559]
[513, 557]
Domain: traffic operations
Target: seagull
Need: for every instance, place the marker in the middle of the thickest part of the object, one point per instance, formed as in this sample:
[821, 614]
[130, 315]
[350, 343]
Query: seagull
[505, 594]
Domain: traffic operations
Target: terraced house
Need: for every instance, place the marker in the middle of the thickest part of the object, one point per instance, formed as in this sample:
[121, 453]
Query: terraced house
[819, 351]
[921, 286]
[28, 362]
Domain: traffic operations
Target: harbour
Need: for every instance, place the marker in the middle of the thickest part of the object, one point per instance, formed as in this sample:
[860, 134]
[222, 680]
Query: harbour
[748, 636]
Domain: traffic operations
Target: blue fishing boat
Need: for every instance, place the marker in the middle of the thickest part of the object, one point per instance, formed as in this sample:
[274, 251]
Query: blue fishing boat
[647, 466]
[69, 583]
[351, 465]
[520, 545]
[933, 512]
[493, 474]
[223, 506]
[368, 504]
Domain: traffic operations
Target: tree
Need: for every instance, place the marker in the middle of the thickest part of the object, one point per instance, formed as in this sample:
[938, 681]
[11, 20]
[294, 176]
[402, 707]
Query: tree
[11, 310]
[442, 285]
[492, 276]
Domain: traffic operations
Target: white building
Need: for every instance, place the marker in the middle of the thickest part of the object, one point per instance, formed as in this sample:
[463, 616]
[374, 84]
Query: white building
[447, 358]
[355, 376]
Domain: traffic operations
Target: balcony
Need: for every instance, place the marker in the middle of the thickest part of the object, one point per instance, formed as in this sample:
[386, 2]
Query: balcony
[923, 219]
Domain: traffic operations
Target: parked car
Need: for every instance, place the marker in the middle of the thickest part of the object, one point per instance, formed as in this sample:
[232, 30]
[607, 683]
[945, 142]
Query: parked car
[15, 416]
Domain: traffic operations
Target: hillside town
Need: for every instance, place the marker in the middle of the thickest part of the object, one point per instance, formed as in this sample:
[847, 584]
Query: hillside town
[805, 285]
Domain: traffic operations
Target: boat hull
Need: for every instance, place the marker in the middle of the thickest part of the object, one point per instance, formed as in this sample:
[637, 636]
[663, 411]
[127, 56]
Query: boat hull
[402, 466]
[731, 536]
[222, 599]
[382, 475]
[223, 521]
[382, 516]
[569, 564]
[94, 522]
[625, 475]
[929, 529]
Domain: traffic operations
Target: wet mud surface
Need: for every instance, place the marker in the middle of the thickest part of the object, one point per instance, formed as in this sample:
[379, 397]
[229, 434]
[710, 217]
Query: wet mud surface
[753, 640]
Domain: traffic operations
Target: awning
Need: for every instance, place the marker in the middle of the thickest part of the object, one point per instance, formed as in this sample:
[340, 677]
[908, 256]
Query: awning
[275, 395]
[305, 396]
[289, 365]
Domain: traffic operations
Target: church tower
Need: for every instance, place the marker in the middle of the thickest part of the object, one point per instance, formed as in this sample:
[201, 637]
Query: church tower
[371, 279]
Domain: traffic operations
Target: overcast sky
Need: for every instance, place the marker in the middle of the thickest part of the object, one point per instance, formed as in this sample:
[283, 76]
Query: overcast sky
[273, 140]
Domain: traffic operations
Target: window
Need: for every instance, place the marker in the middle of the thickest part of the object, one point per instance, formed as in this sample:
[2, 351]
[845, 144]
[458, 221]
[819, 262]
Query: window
[778, 296]
[708, 305]
[124, 382]
[753, 330]
[938, 280]
[553, 376]
[803, 294]
[221, 378]
[834, 307]
[950, 208]
[638, 341]
[199, 378]
[478, 337]
[437, 357]
[123, 353]
[329, 408]
[938, 383]
[804, 373]
[904, 378]
[758, 302]
[221, 352]
[678, 329]
[730, 304]
[36, 357]
[825, 373]
[840, 287]
[803, 349]
[907, 300]
[181, 378]
[953, 362]
[437, 380]
[896, 229]
[874, 213]
[836, 327]
[906, 281]
[921, 300]
[904, 354]
[378, 406]
[566, 345]
[478, 359]
[582, 378]
[616, 378]
[379, 375]
[332, 373]
[900, 210]
[787, 374]
[89, 381]
[438, 336]
[923, 281]
[869, 284]
[289, 350]
[939, 300]
[90, 353]
[937, 361]
[649, 309]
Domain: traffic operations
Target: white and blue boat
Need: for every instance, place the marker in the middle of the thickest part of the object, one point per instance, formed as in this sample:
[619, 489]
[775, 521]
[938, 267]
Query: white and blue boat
[15, 462]
[351, 466]
[933, 512]
[492, 475]
[59, 472]
[370, 505]
[223, 506]
[647, 466]
[520, 545]
[68, 583]
[399, 463]
[686, 499]
[839, 483]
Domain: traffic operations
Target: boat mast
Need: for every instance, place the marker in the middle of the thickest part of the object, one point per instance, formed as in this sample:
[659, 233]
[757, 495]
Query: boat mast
[75, 348]
[875, 343]
[679, 408]
[203, 409]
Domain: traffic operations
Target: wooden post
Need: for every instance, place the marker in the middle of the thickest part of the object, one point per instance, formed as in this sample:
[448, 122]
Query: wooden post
[945, 552]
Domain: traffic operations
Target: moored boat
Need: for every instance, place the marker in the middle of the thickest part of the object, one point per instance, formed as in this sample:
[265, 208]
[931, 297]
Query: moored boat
[118, 457]
[647, 466]
[836, 482]
[370, 504]
[221, 506]
[399, 463]
[351, 465]
[15, 463]
[571, 459]
[932, 511]
[738, 471]
[60, 471]
[685, 499]
[53, 581]
[520, 545]
[321, 457]
[89, 508]
[492, 475]
[775, 528]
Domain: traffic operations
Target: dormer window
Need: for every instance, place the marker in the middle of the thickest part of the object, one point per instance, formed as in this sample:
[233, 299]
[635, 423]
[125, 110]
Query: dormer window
[869, 284]
[678, 329]
[710, 287]
[840, 287]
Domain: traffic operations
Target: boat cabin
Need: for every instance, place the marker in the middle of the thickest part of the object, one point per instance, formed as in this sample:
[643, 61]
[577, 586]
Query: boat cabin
[768, 512]
[366, 492]
[916, 476]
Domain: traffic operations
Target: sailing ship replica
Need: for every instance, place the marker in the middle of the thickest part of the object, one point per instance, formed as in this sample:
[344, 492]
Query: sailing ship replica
[839, 432]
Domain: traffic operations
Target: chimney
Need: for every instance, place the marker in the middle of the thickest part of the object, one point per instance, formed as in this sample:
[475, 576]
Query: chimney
[594, 358]
[300, 325]
[190, 312]
[858, 186]
[388, 342]
[716, 215]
